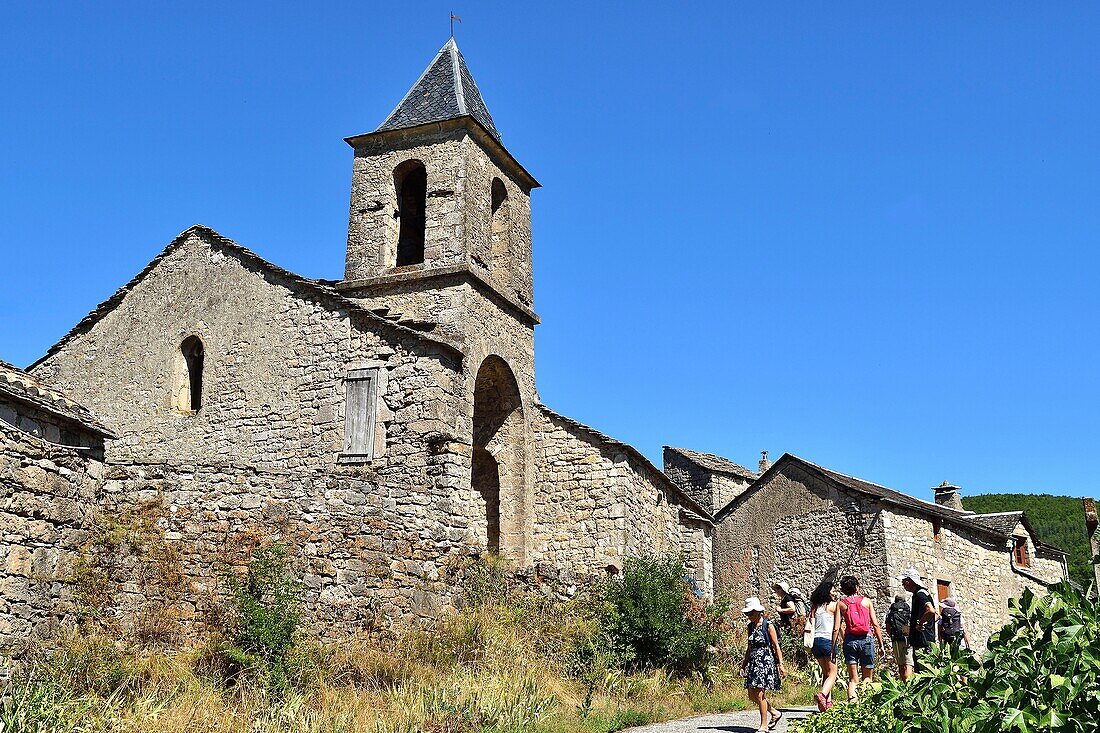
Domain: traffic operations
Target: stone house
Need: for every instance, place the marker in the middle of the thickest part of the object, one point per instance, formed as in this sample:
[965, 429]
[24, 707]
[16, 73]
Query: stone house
[387, 425]
[51, 452]
[800, 523]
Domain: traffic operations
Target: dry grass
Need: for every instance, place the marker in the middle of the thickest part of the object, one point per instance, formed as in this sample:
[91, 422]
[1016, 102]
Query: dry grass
[509, 662]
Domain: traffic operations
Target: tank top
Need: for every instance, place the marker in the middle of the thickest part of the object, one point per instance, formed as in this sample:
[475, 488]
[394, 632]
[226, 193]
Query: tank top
[823, 622]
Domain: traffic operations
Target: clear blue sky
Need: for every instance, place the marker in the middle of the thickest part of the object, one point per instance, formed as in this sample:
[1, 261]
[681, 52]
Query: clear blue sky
[866, 235]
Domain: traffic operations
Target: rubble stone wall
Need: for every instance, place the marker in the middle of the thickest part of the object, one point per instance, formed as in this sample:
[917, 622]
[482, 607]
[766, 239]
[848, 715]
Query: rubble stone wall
[47, 499]
[262, 455]
[977, 565]
[596, 505]
[797, 529]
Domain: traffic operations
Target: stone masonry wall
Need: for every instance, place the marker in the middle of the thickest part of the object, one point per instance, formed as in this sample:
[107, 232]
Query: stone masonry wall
[47, 497]
[797, 529]
[261, 457]
[596, 506]
[977, 565]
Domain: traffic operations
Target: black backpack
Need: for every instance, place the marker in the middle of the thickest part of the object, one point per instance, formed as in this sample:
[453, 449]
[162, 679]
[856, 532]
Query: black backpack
[897, 619]
[951, 622]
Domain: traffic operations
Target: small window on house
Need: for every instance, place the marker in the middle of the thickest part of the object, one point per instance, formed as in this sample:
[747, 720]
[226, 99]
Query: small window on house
[500, 231]
[937, 528]
[191, 392]
[359, 415]
[411, 183]
[1019, 552]
[943, 590]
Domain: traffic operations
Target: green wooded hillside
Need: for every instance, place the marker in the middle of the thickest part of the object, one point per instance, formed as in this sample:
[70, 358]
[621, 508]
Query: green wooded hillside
[1059, 520]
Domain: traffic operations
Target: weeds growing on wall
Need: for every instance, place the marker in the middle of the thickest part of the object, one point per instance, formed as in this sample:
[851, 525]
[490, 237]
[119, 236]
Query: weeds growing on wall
[1041, 673]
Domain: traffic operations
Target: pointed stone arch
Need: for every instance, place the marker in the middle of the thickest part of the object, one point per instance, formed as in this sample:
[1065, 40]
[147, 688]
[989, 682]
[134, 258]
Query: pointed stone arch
[499, 462]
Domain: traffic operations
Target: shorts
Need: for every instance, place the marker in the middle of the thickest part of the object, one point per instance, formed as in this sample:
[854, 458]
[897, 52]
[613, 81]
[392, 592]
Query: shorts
[822, 648]
[903, 653]
[859, 650]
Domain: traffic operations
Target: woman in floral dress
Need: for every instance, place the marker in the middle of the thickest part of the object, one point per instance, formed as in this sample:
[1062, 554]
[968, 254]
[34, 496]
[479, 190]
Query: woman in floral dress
[763, 666]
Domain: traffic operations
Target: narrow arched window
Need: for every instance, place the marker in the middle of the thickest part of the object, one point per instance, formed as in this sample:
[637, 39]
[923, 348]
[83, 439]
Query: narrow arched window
[191, 391]
[411, 182]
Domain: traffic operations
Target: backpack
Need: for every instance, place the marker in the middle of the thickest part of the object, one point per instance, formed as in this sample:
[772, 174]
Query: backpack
[897, 619]
[801, 608]
[856, 616]
[951, 622]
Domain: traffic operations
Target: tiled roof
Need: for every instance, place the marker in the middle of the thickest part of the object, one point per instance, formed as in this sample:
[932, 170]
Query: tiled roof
[715, 463]
[444, 91]
[19, 386]
[1003, 522]
[996, 524]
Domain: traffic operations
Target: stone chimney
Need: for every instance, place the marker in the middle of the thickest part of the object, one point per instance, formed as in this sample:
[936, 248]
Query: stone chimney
[764, 464]
[948, 495]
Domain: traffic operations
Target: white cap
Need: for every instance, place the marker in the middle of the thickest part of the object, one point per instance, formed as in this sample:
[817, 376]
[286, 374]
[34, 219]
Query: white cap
[913, 575]
[752, 604]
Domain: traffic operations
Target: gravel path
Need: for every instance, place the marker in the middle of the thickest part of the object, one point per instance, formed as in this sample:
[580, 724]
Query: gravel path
[742, 722]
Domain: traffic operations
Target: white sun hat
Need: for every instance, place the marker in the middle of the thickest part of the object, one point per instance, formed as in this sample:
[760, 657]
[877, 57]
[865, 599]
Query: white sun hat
[913, 575]
[752, 604]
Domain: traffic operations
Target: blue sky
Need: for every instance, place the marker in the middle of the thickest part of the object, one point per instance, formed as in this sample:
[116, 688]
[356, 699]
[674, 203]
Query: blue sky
[866, 235]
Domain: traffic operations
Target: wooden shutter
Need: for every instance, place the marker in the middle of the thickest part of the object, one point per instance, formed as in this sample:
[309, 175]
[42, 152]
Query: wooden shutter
[359, 414]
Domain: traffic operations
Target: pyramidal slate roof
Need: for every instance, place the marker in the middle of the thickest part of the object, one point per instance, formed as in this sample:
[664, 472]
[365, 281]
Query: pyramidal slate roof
[445, 91]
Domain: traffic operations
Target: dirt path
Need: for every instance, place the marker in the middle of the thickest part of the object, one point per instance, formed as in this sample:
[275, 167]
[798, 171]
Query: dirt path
[742, 722]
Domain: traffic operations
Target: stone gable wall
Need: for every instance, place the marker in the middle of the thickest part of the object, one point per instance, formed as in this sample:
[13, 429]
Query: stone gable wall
[977, 565]
[47, 498]
[596, 507]
[260, 459]
[797, 529]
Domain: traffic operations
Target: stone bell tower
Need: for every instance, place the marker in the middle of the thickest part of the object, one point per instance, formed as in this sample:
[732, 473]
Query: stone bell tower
[436, 198]
[439, 238]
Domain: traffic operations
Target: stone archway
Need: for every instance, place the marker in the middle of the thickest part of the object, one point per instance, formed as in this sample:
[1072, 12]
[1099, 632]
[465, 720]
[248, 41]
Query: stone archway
[498, 472]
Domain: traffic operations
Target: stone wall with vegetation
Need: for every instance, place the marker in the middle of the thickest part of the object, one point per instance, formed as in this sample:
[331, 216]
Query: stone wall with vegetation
[597, 505]
[47, 498]
[261, 458]
[797, 529]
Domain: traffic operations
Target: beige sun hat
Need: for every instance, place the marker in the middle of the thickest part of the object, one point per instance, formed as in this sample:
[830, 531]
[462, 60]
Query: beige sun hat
[781, 586]
[752, 604]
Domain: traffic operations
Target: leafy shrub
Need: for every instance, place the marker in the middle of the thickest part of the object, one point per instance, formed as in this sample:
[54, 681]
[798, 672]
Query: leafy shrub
[1041, 672]
[261, 623]
[654, 619]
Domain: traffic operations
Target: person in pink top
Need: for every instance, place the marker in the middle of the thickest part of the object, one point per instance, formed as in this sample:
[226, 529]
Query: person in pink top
[857, 615]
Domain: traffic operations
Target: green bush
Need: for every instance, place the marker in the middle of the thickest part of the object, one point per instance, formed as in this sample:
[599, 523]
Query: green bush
[1041, 673]
[654, 620]
[261, 623]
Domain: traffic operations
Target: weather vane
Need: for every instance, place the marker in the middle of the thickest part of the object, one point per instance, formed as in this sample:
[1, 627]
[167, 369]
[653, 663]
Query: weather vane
[453, 19]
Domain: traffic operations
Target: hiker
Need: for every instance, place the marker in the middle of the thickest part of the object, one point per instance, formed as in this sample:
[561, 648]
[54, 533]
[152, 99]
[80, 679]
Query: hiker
[897, 622]
[921, 631]
[822, 616]
[763, 666]
[858, 616]
[952, 630]
[786, 609]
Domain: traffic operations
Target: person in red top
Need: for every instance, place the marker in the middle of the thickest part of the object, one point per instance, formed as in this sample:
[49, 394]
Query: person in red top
[857, 614]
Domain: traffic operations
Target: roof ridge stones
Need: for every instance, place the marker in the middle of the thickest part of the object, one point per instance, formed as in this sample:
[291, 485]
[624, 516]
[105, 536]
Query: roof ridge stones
[302, 285]
[713, 462]
[693, 507]
[890, 496]
[445, 90]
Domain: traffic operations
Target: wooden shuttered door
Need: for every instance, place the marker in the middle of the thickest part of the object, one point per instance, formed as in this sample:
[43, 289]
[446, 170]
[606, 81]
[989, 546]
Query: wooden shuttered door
[359, 415]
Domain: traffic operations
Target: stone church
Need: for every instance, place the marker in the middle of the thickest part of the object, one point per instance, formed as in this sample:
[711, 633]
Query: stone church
[385, 427]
